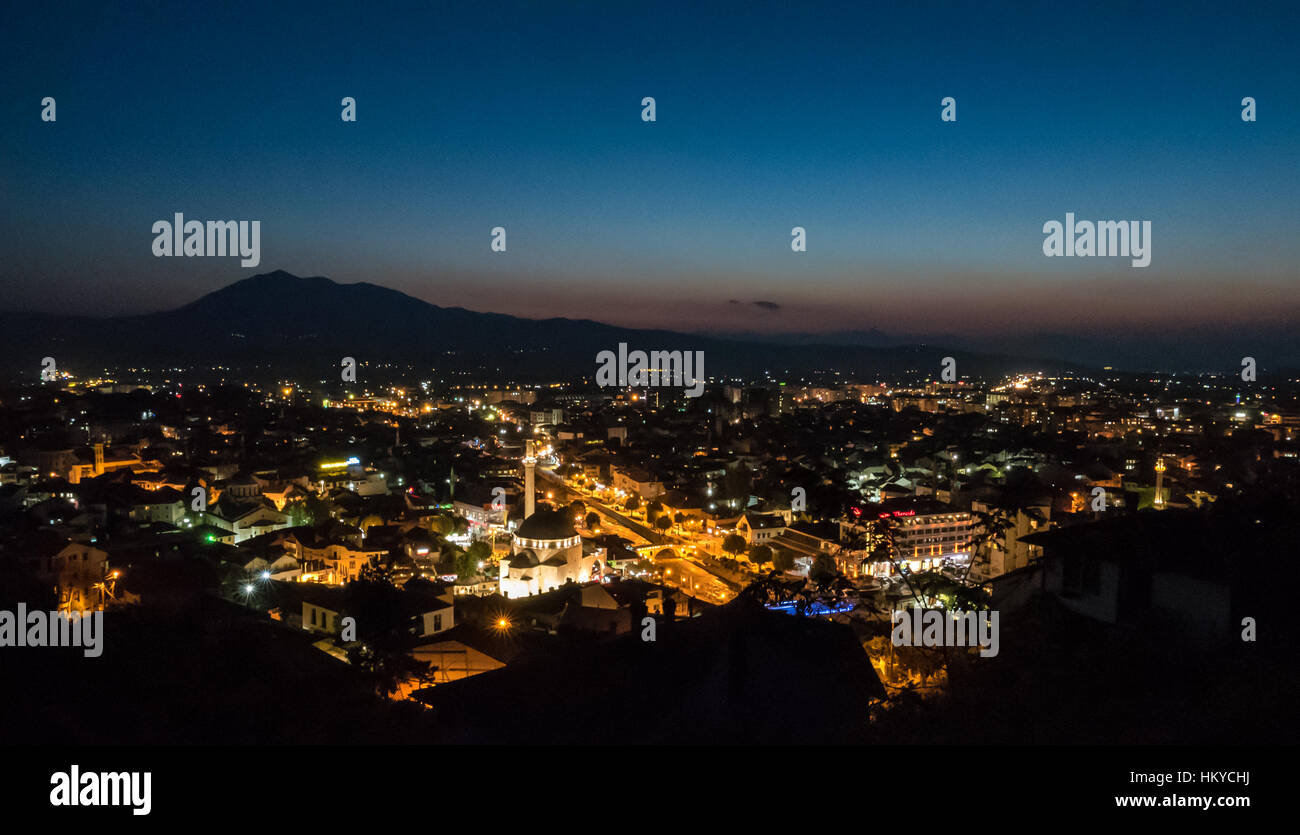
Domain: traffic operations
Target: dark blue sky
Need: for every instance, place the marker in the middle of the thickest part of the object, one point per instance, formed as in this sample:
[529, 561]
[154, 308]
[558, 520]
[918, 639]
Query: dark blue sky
[770, 115]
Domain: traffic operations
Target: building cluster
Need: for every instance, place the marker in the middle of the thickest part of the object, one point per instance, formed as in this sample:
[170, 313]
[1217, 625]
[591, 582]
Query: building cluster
[568, 507]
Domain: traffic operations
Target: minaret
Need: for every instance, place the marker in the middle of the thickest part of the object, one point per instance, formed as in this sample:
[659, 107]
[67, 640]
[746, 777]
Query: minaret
[1160, 483]
[530, 464]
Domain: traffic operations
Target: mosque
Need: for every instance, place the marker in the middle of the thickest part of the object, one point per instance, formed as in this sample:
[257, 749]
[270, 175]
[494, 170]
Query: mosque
[546, 551]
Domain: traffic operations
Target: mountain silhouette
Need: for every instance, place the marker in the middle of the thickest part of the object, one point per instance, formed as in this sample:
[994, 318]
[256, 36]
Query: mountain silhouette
[299, 325]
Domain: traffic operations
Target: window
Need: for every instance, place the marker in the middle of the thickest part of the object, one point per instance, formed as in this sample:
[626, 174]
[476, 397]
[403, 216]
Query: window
[313, 615]
[437, 623]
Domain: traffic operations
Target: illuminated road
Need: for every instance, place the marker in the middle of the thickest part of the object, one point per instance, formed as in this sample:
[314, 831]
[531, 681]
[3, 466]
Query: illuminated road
[568, 494]
[677, 572]
[689, 577]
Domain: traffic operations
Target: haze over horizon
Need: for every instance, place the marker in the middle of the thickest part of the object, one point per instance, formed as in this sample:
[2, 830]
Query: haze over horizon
[767, 119]
[286, 295]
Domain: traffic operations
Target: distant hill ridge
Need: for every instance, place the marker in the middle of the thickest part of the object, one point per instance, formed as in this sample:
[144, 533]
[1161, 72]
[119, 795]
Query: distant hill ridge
[307, 323]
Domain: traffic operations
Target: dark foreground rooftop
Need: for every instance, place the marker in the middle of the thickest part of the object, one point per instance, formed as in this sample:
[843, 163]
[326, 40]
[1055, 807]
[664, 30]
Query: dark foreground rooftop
[737, 674]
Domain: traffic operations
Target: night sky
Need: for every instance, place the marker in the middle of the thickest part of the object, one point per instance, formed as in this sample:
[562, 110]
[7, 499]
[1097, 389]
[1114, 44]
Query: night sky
[770, 115]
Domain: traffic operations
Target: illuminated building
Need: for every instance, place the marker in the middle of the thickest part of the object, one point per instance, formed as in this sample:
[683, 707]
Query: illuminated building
[546, 553]
[926, 533]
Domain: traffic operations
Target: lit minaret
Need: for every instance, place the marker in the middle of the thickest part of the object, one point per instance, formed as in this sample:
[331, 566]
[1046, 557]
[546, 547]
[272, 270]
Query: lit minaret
[530, 464]
[1160, 483]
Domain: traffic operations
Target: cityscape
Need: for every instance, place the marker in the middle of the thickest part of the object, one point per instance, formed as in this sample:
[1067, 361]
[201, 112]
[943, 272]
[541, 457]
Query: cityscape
[438, 543]
[389, 391]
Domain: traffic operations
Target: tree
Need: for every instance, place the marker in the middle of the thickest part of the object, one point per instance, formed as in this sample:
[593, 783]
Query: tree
[990, 534]
[592, 520]
[783, 560]
[384, 618]
[653, 509]
[387, 671]
[449, 557]
[760, 554]
[442, 525]
[467, 564]
[310, 511]
[632, 503]
[738, 481]
[879, 541]
[953, 594]
[734, 544]
[663, 523]
[823, 569]
[375, 571]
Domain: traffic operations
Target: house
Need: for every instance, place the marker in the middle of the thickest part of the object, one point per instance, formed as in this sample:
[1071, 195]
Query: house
[638, 482]
[488, 512]
[241, 487]
[211, 534]
[546, 415]
[282, 567]
[430, 608]
[688, 506]
[761, 528]
[806, 541]
[434, 607]
[603, 609]
[76, 570]
[322, 606]
[244, 519]
[1008, 551]
[595, 465]
[1190, 576]
[463, 651]
[476, 587]
[164, 505]
[330, 559]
